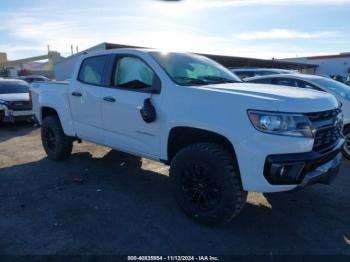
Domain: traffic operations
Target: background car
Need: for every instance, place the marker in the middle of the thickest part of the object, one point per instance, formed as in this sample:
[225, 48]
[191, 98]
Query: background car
[15, 102]
[252, 72]
[339, 78]
[319, 83]
[32, 78]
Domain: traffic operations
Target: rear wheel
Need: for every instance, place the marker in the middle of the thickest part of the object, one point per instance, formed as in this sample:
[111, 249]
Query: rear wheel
[56, 144]
[346, 149]
[206, 183]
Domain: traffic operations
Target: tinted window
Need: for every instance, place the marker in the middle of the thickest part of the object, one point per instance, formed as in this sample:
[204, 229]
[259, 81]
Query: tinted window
[13, 87]
[284, 82]
[304, 84]
[36, 79]
[265, 73]
[262, 81]
[92, 69]
[39, 79]
[132, 72]
[244, 74]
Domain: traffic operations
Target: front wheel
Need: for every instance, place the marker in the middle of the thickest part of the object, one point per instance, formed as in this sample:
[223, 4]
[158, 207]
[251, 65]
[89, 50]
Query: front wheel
[206, 183]
[346, 149]
[56, 144]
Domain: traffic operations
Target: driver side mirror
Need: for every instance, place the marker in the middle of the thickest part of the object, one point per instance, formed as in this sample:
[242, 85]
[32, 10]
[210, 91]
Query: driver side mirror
[156, 85]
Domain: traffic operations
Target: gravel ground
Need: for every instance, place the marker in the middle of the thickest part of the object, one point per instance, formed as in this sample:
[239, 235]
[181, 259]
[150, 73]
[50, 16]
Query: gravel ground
[104, 202]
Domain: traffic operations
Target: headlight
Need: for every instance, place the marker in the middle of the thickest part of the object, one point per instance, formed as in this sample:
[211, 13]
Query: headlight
[281, 123]
[340, 120]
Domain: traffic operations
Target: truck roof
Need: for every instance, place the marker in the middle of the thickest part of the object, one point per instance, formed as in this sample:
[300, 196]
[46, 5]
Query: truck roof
[121, 50]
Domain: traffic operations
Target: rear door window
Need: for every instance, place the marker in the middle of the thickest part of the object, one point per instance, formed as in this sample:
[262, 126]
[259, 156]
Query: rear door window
[91, 70]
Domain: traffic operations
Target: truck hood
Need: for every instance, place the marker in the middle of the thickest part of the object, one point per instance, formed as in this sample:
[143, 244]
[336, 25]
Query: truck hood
[281, 98]
[15, 97]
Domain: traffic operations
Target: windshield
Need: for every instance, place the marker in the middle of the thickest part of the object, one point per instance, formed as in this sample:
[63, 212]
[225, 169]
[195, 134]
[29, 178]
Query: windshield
[13, 87]
[190, 69]
[334, 86]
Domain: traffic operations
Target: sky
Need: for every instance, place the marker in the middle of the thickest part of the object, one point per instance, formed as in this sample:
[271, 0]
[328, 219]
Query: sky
[249, 28]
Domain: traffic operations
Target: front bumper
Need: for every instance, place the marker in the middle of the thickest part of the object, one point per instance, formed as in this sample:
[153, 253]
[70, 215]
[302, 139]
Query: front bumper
[323, 174]
[7, 115]
[303, 169]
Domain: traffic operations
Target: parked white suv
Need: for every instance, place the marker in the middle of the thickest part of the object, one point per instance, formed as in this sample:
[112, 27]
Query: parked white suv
[15, 101]
[221, 137]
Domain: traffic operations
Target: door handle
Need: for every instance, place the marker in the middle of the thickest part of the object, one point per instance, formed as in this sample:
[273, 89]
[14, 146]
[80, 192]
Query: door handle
[75, 93]
[109, 99]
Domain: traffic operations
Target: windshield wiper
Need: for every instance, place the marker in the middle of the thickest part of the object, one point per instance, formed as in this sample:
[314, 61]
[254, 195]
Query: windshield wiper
[219, 79]
[192, 80]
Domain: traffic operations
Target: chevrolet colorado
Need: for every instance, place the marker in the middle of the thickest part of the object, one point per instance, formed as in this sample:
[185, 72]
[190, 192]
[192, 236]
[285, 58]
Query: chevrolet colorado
[221, 137]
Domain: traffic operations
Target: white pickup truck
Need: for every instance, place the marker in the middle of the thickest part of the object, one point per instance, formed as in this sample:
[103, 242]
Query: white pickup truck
[221, 137]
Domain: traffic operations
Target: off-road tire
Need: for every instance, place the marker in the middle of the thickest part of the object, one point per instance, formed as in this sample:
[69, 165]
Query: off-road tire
[220, 166]
[346, 132]
[56, 144]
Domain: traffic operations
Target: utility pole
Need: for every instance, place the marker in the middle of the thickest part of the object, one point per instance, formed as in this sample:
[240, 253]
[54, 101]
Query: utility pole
[77, 49]
[71, 49]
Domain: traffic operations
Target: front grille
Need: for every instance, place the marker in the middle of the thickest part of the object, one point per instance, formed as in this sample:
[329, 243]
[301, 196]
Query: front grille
[328, 129]
[325, 115]
[20, 105]
[326, 137]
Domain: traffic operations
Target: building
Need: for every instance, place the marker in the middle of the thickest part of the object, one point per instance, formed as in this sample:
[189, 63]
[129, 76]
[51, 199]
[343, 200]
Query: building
[30, 65]
[328, 65]
[64, 68]
[3, 58]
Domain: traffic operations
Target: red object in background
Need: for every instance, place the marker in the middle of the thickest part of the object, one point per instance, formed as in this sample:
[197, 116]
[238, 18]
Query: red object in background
[23, 72]
[328, 56]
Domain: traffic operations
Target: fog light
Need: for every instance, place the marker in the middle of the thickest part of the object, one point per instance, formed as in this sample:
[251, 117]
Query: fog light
[282, 171]
[286, 172]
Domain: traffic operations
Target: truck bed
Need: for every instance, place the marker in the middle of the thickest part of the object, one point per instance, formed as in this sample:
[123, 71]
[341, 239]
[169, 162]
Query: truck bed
[49, 94]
